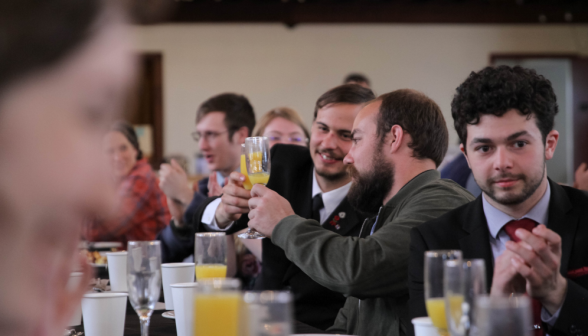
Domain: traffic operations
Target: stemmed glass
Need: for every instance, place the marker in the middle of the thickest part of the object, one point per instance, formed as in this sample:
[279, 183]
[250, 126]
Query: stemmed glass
[257, 159]
[434, 291]
[144, 279]
[463, 282]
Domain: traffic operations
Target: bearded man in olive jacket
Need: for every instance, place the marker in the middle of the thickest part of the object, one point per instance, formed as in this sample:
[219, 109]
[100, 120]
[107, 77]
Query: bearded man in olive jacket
[398, 142]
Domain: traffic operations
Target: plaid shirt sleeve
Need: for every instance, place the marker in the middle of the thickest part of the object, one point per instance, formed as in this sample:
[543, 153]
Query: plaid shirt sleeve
[142, 211]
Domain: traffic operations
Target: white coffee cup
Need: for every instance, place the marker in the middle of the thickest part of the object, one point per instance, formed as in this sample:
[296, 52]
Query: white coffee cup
[173, 273]
[104, 313]
[183, 294]
[423, 326]
[72, 284]
[117, 271]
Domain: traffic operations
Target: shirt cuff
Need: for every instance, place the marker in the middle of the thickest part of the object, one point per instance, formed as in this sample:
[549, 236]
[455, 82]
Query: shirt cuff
[549, 319]
[208, 217]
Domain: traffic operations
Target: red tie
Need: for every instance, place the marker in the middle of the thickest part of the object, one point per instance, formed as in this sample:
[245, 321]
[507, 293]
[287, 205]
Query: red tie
[510, 228]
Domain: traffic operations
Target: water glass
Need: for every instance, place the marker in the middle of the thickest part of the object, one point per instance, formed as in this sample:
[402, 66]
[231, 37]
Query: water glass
[463, 282]
[268, 313]
[503, 316]
[434, 291]
[144, 278]
[210, 255]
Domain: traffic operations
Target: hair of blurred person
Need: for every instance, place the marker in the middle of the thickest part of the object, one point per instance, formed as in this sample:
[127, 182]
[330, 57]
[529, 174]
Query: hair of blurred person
[344, 94]
[529, 93]
[357, 78]
[142, 210]
[65, 66]
[282, 125]
[421, 119]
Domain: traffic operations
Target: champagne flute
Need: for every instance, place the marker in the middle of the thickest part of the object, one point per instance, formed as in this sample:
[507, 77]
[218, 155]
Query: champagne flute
[434, 291]
[257, 159]
[144, 279]
[463, 282]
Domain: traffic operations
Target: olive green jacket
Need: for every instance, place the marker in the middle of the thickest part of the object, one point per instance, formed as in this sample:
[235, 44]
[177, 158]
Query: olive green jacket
[372, 270]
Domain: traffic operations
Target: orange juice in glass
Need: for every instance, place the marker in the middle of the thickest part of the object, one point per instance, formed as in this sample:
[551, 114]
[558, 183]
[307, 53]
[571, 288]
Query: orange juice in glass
[217, 308]
[210, 255]
[246, 184]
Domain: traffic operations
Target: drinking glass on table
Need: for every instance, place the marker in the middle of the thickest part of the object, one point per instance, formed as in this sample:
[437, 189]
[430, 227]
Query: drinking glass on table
[257, 160]
[503, 316]
[210, 255]
[217, 307]
[268, 313]
[463, 282]
[434, 291]
[144, 278]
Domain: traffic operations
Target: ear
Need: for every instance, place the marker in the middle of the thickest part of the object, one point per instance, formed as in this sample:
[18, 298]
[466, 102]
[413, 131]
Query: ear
[240, 135]
[395, 138]
[551, 144]
[463, 151]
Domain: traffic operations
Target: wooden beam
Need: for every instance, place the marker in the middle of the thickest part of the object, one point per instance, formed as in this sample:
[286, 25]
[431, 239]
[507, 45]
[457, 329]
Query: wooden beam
[364, 11]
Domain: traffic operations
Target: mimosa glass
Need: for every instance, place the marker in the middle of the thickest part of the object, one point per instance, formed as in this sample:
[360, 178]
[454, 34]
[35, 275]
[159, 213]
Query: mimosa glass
[257, 160]
[434, 291]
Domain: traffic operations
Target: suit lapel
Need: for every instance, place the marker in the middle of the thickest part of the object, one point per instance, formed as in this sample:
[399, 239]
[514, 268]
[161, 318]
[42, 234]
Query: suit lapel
[563, 221]
[476, 242]
[343, 219]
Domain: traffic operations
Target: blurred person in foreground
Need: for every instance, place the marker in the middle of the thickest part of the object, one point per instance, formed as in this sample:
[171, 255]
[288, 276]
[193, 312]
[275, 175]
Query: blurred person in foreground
[316, 183]
[142, 208]
[398, 141]
[65, 67]
[357, 78]
[530, 231]
[222, 124]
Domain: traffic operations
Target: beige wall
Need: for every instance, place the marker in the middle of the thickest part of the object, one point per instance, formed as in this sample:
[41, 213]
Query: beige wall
[276, 66]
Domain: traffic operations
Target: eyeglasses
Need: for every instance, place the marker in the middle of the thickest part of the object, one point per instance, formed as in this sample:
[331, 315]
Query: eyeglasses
[208, 135]
[295, 140]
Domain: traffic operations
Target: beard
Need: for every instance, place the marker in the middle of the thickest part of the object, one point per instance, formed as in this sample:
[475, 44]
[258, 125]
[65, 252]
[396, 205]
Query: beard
[530, 185]
[369, 189]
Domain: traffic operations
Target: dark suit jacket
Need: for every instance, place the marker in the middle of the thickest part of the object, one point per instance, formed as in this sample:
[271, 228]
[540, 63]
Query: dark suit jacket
[466, 229]
[172, 248]
[291, 177]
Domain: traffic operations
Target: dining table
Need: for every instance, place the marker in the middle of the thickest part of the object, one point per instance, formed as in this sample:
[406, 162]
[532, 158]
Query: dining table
[161, 326]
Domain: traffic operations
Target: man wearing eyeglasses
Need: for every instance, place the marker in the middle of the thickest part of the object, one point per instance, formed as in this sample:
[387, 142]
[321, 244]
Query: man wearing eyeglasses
[222, 124]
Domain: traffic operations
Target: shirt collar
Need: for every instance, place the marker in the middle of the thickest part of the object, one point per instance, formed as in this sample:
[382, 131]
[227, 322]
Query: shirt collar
[331, 199]
[220, 179]
[496, 219]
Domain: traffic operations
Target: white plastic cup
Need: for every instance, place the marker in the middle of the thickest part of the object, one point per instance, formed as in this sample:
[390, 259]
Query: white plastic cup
[117, 271]
[173, 273]
[104, 313]
[183, 294]
[423, 326]
[72, 284]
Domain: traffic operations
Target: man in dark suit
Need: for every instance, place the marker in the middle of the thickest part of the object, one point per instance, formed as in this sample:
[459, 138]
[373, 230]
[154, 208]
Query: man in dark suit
[316, 184]
[530, 231]
[222, 124]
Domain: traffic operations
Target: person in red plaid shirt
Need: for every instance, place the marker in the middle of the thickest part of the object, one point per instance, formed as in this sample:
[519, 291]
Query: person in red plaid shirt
[142, 210]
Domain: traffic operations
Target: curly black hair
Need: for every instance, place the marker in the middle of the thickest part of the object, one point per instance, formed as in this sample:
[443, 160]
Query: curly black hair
[497, 90]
